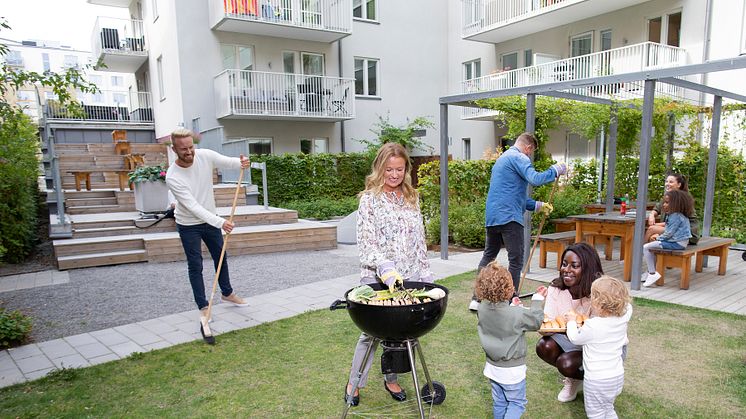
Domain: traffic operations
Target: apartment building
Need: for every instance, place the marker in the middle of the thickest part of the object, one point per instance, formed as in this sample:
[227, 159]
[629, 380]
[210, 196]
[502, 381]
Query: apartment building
[42, 55]
[537, 41]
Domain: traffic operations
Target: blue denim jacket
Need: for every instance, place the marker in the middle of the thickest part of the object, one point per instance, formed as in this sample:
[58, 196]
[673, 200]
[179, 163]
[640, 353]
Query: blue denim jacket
[677, 228]
[508, 194]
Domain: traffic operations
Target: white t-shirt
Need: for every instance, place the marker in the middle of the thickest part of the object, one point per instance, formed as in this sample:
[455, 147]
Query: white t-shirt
[192, 187]
[602, 339]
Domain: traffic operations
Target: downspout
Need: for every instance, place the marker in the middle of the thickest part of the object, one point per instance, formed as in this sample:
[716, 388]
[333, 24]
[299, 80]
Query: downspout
[339, 69]
[705, 58]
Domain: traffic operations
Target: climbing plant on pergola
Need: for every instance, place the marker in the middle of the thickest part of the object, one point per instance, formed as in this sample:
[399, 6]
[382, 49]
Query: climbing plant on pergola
[580, 90]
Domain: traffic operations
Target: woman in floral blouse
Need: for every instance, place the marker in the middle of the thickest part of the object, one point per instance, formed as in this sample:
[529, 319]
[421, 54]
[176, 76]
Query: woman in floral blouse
[391, 240]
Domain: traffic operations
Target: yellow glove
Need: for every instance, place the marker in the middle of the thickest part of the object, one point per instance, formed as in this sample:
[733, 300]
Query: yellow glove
[392, 278]
[545, 208]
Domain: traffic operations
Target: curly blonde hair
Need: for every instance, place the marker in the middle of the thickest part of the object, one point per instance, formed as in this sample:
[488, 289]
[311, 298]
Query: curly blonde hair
[374, 181]
[609, 297]
[494, 283]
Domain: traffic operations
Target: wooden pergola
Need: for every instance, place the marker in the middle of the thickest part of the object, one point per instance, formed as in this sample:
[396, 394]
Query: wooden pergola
[560, 89]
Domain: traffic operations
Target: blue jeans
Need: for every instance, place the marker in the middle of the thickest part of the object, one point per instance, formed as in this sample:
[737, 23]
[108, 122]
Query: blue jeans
[191, 239]
[511, 236]
[508, 400]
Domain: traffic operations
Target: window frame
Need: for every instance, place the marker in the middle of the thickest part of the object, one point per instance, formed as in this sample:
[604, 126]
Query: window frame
[581, 36]
[154, 6]
[364, 15]
[601, 34]
[528, 57]
[466, 148]
[502, 60]
[366, 88]
[313, 144]
[471, 65]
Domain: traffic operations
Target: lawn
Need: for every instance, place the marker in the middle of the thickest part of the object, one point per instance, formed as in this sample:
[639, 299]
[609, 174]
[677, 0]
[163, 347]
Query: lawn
[682, 362]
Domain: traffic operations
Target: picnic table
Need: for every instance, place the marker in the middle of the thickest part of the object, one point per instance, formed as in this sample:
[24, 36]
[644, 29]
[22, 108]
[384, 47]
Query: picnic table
[596, 208]
[612, 224]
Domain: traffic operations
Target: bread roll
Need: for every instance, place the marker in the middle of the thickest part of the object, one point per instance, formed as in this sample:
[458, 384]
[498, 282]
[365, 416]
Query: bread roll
[554, 325]
[561, 322]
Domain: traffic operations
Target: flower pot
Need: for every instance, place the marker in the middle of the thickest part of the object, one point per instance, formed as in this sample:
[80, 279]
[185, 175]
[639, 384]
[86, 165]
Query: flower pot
[151, 196]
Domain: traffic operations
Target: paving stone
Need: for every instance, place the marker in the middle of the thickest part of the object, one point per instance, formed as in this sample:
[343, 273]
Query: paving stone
[57, 348]
[4, 355]
[109, 337]
[8, 378]
[93, 350]
[222, 326]
[157, 345]
[127, 348]
[34, 363]
[129, 329]
[264, 317]
[25, 351]
[39, 373]
[104, 358]
[177, 336]
[175, 319]
[157, 326]
[43, 280]
[143, 338]
[234, 318]
[81, 339]
[71, 361]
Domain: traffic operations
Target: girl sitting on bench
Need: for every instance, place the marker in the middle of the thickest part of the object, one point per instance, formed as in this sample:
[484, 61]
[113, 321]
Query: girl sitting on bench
[678, 206]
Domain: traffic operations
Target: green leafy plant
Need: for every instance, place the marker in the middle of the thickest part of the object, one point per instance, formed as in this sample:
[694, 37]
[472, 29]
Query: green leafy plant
[323, 208]
[15, 328]
[148, 174]
[405, 135]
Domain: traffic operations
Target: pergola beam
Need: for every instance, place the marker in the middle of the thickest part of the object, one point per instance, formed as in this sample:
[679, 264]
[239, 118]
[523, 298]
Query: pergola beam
[444, 182]
[702, 88]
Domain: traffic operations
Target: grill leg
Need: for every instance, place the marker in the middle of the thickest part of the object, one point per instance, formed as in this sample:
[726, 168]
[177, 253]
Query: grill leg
[356, 380]
[414, 377]
[427, 373]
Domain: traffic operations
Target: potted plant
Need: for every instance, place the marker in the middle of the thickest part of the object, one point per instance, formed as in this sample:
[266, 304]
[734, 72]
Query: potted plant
[151, 192]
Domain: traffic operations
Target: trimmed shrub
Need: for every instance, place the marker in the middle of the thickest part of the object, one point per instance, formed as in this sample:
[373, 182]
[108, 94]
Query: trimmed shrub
[468, 225]
[15, 328]
[323, 208]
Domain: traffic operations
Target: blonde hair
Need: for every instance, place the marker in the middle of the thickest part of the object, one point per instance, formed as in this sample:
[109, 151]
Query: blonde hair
[374, 181]
[494, 283]
[182, 133]
[609, 297]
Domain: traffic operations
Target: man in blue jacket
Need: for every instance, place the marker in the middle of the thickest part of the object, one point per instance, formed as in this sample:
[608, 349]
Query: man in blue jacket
[508, 198]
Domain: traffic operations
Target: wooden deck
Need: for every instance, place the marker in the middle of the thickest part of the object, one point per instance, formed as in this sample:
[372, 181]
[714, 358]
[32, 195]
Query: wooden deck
[706, 289]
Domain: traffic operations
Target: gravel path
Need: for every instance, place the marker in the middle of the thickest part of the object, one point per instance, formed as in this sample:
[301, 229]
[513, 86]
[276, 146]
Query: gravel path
[103, 297]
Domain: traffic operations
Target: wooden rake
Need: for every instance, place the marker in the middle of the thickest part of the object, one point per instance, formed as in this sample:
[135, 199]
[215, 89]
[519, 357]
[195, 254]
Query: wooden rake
[536, 240]
[206, 332]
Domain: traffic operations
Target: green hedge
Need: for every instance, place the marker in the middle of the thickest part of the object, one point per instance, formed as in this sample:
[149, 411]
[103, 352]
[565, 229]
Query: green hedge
[310, 177]
[19, 169]
[323, 208]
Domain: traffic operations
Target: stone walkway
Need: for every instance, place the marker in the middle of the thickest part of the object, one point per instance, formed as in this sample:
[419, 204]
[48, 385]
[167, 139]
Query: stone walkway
[35, 360]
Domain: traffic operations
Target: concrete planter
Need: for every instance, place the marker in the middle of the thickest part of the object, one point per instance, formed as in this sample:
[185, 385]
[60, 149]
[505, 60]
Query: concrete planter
[151, 196]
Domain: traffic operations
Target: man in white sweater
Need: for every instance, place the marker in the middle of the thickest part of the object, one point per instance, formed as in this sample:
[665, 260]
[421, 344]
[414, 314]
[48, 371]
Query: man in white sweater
[190, 181]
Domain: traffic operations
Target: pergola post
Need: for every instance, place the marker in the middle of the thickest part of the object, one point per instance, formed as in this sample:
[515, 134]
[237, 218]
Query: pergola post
[530, 127]
[642, 182]
[712, 162]
[611, 169]
[444, 181]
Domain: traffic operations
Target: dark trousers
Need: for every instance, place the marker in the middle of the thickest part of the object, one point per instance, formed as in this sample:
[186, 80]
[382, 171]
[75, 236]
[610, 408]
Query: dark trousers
[509, 236]
[191, 239]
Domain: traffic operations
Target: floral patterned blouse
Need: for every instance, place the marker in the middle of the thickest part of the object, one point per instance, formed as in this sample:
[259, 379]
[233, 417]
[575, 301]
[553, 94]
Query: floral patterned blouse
[391, 231]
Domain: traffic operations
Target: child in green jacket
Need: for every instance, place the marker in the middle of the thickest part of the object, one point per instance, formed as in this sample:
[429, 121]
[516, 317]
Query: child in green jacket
[501, 328]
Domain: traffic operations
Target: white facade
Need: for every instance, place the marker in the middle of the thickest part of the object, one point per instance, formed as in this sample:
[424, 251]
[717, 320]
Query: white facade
[40, 56]
[419, 50]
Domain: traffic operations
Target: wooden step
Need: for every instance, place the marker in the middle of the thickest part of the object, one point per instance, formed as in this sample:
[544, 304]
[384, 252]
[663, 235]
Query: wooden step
[88, 202]
[104, 231]
[94, 209]
[101, 259]
[72, 247]
[89, 194]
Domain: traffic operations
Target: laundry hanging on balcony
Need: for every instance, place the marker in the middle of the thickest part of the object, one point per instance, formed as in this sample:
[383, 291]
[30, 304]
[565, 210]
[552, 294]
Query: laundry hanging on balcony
[240, 7]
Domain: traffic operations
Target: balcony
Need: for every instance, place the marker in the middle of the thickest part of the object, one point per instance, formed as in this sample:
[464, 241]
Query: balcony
[113, 3]
[632, 58]
[496, 21]
[105, 106]
[318, 20]
[244, 94]
[119, 44]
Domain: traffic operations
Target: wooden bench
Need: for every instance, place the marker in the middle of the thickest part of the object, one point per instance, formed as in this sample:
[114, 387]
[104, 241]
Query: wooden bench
[554, 242]
[85, 176]
[707, 246]
[565, 224]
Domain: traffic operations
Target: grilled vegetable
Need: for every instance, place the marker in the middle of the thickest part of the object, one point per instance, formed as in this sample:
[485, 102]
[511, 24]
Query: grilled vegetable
[366, 295]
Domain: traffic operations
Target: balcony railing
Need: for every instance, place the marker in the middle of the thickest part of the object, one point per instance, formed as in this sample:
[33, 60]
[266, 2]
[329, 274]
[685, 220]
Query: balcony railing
[478, 15]
[318, 15]
[121, 38]
[105, 106]
[632, 58]
[261, 94]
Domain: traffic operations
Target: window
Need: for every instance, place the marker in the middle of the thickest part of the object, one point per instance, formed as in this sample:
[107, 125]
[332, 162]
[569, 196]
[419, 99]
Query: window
[673, 36]
[528, 57]
[95, 79]
[97, 97]
[50, 96]
[239, 57]
[366, 77]
[314, 145]
[117, 80]
[364, 9]
[259, 146]
[665, 29]
[70, 61]
[288, 62]
[472, 69]
[159, 64]
[45, 61]
[14, 58]
[24, 95]
[606, 40]
[466, 142]
[509, 61]
[154, 5]
[581, 44]
[576, 147]
[119, 98]
[312, 64]
[195, 124]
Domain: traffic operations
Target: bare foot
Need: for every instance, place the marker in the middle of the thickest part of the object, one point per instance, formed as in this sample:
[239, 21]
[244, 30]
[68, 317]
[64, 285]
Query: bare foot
[395, 387]
[349, 387]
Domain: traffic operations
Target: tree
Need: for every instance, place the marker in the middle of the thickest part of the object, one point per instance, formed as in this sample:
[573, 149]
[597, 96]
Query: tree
[408, 135]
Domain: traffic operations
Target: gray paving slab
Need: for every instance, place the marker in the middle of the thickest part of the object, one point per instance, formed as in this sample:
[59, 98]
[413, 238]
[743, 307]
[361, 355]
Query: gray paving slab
[157, 326]
[34, 363]
[57, 348]
[25, 351]
[93, 350]
[103, 358]
[109, 337]
[8, 378]
[71, 361]
[141, 338]
[127, 348]
[157, 345]
[176, 337]
[81, 339]
[39, 373]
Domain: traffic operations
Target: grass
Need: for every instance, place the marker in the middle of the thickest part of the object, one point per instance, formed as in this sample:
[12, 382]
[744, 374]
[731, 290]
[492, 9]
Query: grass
[682, 362]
